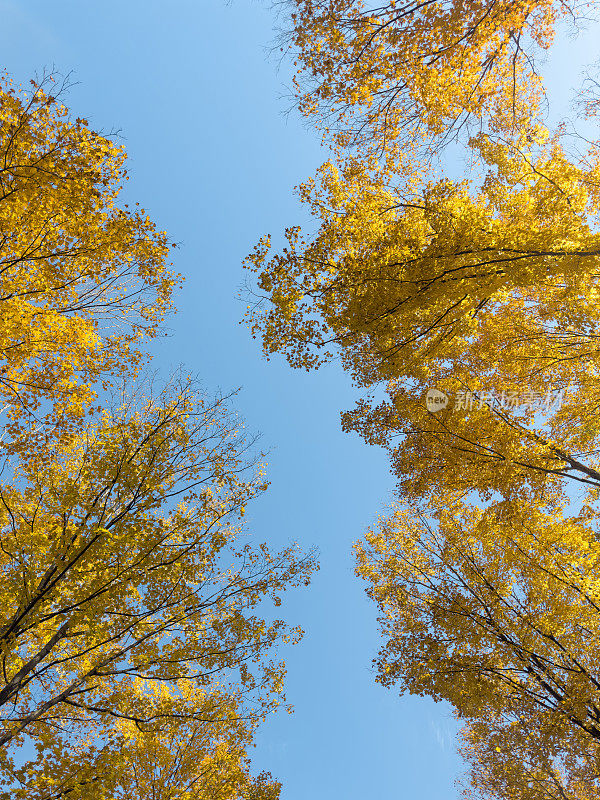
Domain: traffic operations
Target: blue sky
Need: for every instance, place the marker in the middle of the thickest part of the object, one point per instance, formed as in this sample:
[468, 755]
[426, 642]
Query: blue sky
[214, 157]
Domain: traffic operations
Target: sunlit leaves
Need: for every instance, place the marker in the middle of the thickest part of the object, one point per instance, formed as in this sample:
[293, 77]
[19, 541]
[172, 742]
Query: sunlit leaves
[382, 75]
[498, 612]
[82, 279]
[126, 593]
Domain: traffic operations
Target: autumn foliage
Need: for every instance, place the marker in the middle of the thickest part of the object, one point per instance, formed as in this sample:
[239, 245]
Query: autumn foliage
[82, 280]
[136, 646]
[379, 75]
[484, 289]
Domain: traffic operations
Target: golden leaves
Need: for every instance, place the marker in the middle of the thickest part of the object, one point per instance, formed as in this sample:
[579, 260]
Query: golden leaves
[82, 281]
[132, 650]
[482, 291]
[453, 286]
[382, 78]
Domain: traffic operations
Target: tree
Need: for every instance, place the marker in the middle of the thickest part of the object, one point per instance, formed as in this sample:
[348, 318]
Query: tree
[125, 594]
[129, 624]
[386, 74]
[485, 289]
[496, 611]
[169, 762]
[484, 292]
[181, 759]
[82, 281]
[508, 760]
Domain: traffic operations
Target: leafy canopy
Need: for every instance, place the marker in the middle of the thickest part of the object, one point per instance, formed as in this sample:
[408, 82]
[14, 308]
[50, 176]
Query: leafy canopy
[82, 280]
[380, 76]
[126, 595]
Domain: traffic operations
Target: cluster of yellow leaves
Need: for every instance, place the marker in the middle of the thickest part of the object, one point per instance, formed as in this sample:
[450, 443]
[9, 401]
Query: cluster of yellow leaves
[121, 573]
[509, 759]
[489, 288]
[159, 761]
[498, 612]
[82, 280]
[485, 288]
[383, 74]
[190, 759]
[134, 651]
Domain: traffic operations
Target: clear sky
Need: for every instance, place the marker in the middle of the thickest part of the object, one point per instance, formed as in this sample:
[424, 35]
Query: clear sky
[213, 157]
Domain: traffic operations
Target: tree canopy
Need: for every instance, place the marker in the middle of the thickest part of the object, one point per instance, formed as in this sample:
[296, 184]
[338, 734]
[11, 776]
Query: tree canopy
[136, 641]
[382, 75]
[465, 311]
[83, 280]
